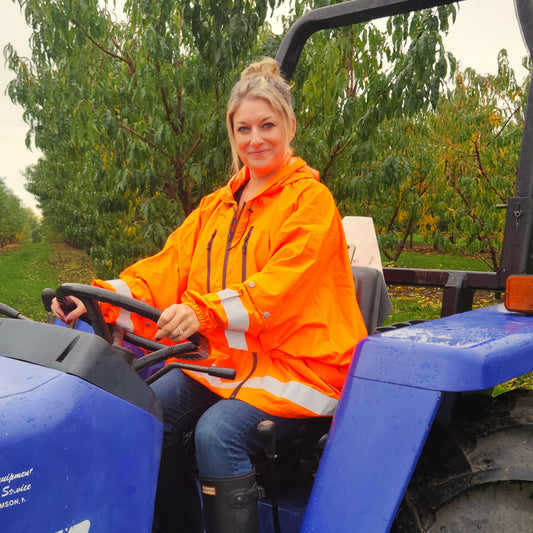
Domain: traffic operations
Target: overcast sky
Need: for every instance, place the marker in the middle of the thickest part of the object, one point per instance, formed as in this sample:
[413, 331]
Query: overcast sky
[483, 27]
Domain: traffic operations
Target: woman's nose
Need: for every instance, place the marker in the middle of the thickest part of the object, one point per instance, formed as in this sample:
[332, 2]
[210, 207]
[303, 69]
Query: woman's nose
[256, 138]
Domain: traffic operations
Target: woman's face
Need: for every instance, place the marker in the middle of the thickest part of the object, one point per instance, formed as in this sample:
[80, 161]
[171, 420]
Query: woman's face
[261, 137]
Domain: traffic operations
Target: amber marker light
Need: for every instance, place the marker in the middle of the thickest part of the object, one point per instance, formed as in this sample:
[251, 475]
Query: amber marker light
[519, 293]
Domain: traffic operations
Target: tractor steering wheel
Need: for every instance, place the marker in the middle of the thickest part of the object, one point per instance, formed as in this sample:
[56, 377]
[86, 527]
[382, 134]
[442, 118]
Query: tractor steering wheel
[195, 348]
[90, 295]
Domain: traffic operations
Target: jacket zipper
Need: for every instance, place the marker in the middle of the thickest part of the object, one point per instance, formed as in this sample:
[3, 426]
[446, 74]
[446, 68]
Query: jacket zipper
[240, 385]
[233, 226]
[209, 246]
[244, 251]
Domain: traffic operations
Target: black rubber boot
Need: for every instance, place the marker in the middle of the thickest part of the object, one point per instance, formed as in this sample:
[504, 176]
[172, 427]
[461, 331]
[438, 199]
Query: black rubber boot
[177, 505]
[230, 504]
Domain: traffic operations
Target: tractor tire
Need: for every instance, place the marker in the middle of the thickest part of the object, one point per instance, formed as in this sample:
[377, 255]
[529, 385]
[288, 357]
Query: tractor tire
[476, 470]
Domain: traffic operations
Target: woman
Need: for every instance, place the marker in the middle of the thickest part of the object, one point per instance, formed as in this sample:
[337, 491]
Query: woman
[261, 269]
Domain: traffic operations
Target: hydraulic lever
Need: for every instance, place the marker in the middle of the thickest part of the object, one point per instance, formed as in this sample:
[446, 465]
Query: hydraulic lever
[267, 431]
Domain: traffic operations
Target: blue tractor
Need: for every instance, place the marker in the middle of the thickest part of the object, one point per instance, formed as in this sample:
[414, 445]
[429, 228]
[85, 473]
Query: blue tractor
[417, 444]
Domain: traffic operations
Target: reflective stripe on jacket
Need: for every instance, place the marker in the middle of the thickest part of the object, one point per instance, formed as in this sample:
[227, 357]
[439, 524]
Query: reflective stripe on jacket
[272, 286]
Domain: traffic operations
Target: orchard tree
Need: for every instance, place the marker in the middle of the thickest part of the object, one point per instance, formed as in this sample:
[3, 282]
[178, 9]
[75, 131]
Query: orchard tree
[16, 221]
[396, 188]
[130, 115]
[476, 136]
[446, 174]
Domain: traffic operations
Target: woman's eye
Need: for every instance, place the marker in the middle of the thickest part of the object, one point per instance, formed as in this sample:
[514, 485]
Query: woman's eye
[243, 129]
[268, 125]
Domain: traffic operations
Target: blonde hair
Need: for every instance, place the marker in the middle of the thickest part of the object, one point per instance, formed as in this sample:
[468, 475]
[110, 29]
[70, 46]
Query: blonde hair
[259, 80]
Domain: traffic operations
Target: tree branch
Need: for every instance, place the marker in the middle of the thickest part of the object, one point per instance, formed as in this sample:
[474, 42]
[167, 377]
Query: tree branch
[500, 131]
[335, 151]
[483, 172]
[191, 151]
[126, 59]
[146, 140]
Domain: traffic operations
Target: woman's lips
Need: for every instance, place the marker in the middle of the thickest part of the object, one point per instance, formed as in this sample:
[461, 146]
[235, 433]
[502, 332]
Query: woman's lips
[257, 153]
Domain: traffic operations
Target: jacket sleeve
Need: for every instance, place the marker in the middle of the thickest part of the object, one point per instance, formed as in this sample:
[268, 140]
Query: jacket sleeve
[158, 280]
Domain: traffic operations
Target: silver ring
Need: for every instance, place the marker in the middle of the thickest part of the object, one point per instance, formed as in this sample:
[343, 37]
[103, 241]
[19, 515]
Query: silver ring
[180, 332]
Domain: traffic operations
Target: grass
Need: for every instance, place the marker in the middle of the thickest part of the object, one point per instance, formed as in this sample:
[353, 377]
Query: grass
[410, 303]
[24, 273]
[27, 269]
[440, 262]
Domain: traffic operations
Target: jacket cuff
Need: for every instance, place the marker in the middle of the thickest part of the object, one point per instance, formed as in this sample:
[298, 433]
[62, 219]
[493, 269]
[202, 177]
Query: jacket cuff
[205, 319]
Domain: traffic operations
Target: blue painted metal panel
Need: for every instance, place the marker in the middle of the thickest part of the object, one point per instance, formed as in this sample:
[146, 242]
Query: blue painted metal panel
[388, 405]
[469, 351]
[17, 379]
[374, 443]
[71, 453]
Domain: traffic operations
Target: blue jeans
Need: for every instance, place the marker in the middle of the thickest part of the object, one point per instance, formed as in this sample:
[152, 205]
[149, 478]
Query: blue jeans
[225, 430]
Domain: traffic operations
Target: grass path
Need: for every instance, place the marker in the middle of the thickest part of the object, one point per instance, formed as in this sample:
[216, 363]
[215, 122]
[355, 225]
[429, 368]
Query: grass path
[24, 272]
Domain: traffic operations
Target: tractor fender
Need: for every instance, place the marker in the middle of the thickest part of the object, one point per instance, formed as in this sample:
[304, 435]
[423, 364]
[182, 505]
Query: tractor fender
[395, 386]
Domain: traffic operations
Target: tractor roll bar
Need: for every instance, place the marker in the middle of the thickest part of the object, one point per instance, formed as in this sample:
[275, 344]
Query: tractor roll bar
[338, 15]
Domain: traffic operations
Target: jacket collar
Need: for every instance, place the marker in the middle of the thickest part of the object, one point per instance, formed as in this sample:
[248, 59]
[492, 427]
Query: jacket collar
[289, 172]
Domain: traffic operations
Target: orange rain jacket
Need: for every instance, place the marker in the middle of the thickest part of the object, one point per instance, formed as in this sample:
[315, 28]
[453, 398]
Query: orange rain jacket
[272, 286]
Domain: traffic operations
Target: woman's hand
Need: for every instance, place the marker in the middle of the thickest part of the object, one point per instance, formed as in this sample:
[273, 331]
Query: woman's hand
[69, 309]
[177, 322]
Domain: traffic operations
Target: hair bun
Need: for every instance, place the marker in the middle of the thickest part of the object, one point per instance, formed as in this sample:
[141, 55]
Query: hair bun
[267, 68]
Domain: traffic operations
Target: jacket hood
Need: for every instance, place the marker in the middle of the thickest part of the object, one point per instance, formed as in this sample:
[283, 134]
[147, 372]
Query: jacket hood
[293, 169]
